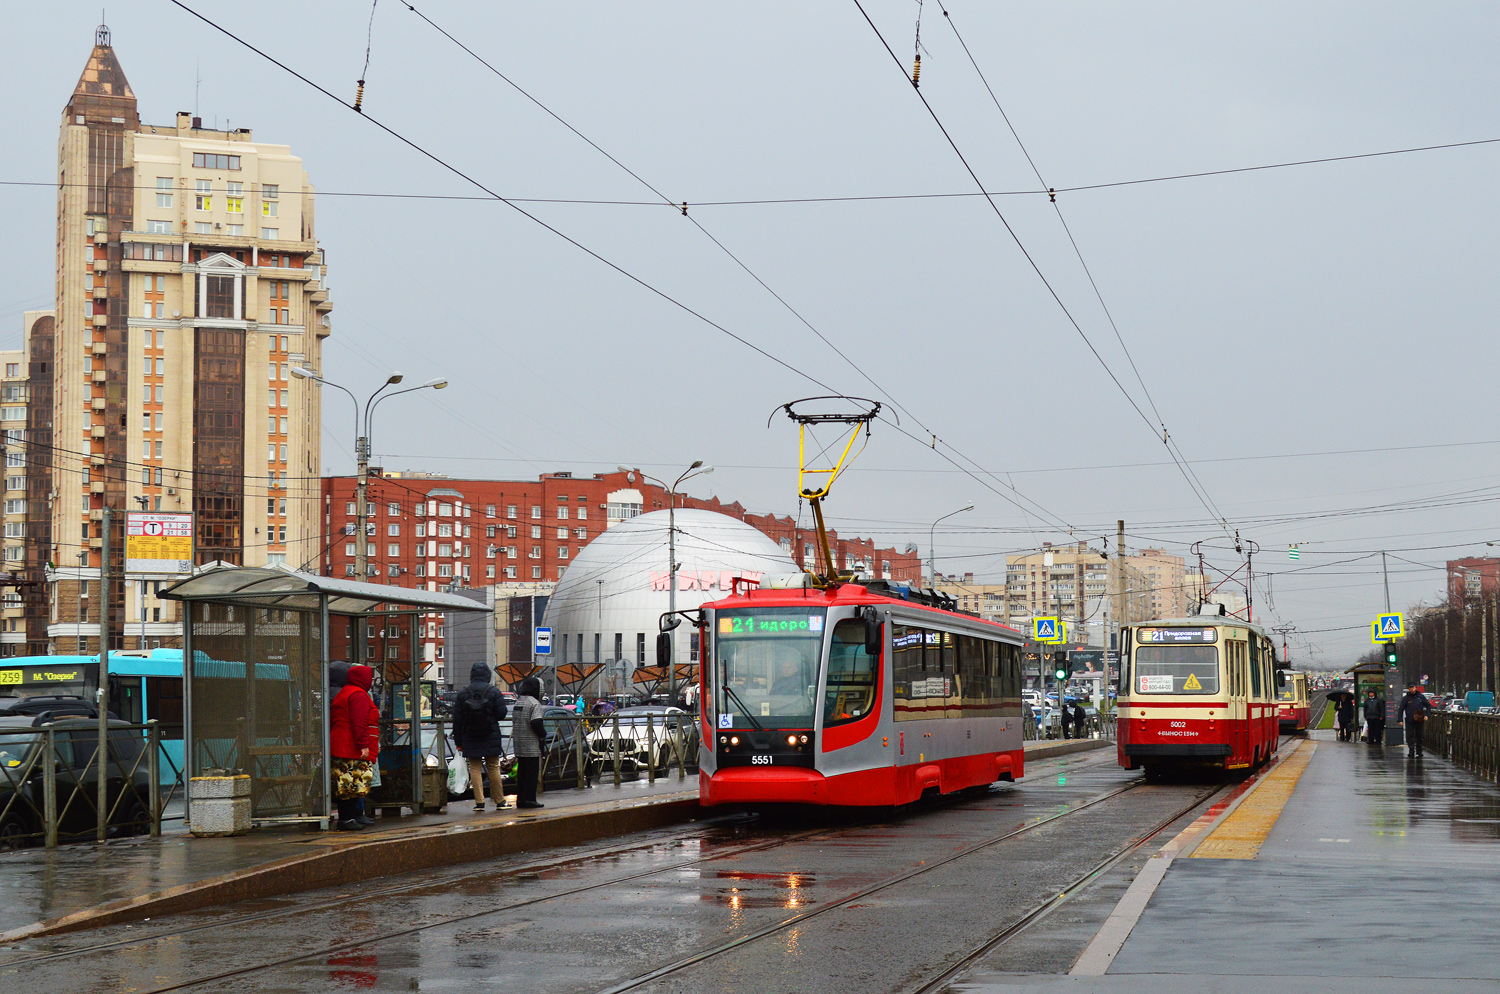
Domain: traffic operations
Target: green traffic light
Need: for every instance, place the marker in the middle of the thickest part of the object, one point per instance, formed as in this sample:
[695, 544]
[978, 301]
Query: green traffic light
[1062, 674]
[1390, 658]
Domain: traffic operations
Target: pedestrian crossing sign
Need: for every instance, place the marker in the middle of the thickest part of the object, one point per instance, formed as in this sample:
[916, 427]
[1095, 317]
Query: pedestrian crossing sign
[1391, 626]
[1293, 553]
[1045, 629]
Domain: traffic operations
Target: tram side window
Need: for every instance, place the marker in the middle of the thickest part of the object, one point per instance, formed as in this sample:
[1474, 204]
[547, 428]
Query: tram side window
[851, 675]
[1255, 665]
[969, 672]
[908, 671]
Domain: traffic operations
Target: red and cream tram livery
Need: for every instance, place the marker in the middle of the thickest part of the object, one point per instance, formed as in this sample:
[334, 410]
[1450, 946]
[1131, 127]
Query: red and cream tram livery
[1197, 691]
[858, 694]
[1292, 706]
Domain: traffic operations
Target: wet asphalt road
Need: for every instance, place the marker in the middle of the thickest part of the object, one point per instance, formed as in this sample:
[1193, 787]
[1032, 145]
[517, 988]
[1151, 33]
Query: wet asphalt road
[600, 917]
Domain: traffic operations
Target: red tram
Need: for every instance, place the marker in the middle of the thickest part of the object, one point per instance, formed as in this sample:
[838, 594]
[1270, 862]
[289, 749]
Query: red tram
[1292, 705]
[1197, 691]
[858, 693]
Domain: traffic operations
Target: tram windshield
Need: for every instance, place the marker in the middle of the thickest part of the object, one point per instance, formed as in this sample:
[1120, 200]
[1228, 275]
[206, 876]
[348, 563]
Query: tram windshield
[766, 666]
[1176, 669]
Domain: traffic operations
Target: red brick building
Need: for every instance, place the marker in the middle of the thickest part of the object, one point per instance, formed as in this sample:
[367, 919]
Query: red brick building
[1468, 579]
[431, 531]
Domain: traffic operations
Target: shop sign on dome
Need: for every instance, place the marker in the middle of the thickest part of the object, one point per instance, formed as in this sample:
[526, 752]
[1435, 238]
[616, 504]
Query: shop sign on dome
[702, 579]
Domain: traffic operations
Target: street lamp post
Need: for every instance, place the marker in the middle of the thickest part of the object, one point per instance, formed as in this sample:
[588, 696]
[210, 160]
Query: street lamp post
[932, 539]
[362, 453]
[696, 469]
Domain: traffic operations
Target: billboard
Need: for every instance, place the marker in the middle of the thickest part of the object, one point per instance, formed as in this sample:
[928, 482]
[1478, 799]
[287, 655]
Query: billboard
[158, 542]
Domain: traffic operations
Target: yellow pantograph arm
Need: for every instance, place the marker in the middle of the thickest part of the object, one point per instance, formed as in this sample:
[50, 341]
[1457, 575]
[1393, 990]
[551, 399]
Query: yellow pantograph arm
[831, 474]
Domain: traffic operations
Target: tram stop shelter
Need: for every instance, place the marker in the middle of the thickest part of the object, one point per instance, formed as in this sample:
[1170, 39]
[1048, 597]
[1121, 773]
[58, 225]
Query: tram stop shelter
[255, 696]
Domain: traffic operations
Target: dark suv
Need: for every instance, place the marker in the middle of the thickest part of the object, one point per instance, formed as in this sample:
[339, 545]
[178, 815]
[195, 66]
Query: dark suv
[22, 778]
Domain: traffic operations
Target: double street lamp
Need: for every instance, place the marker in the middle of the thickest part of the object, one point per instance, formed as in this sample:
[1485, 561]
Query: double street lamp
[362, 450]
[696, 469]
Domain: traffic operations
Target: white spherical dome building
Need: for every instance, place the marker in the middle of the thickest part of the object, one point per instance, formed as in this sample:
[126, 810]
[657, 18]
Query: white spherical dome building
[608, 603]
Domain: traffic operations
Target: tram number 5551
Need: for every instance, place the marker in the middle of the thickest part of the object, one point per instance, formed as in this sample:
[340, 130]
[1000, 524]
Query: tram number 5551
[760, 760]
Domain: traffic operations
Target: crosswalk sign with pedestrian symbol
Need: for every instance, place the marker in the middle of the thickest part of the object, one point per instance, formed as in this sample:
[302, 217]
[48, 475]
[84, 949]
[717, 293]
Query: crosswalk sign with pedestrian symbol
[1390, 625]
[1044, 629]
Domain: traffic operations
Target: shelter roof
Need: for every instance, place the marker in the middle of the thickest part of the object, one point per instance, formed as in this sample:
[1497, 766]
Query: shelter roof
[268, 587]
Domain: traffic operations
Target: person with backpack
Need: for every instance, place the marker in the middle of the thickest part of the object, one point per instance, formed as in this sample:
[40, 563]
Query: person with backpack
[1415, 707]
[477, 712]
[529, 737]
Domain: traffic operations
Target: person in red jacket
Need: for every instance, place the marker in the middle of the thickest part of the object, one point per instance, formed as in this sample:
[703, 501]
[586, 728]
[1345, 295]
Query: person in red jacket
[353, 745]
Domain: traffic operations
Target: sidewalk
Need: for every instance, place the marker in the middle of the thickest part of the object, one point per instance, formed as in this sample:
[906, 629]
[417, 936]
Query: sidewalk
[1352, 869]
[90, 884]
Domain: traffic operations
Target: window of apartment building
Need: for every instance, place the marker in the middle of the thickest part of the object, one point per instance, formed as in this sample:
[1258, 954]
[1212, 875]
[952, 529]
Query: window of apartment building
[536, 552]
[510, 552]
[467, 534]
[393, 549]
[15, 483]
[164, 191]
[444, 569]
[269, 208]
[536, 511]
[159, 227]
[445, 511]
[421, 570]
[489, 510]
[583, 512]
[202, 228]
[234, 229]
[510, 531]
[445, 549]
[393, 530]
[536, 572]
[269, 191]
[421, 529]
[466, 552]
[270, 234]
[490, 530]
[562, 511]
[510, 572]
[349, 548]
[562, 533]
[536, 531]
[208, 160]
[445, 530]
[220, 302]
[234, 198]
[489, 572]
[562, 552]
[580, 533]
[204, 200]
[510, 510]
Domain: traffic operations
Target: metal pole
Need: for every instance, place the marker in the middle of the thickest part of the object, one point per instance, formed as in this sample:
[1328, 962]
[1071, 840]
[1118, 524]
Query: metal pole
[650, 749]
[672, 592]
[323, 745]
[153, 765]
[102, 694]
[361, 508]
[49, 787]
[188, 752]
[1387, 574]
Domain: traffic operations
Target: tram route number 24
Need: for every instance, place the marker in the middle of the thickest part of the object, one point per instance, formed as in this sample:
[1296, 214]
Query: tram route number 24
[760, 759]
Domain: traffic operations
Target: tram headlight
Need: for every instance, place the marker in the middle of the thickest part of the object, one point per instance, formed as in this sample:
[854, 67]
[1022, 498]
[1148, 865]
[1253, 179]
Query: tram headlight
[734, 740]
[723, 740]
[803, 740]
[791, 740]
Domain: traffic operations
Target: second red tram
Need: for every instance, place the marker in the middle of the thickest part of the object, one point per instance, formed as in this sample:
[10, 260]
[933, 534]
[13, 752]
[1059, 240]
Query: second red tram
[1197, 691]
[853, 693]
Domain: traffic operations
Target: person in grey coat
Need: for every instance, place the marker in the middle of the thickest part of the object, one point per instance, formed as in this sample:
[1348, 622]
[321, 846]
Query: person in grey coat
[528, 736]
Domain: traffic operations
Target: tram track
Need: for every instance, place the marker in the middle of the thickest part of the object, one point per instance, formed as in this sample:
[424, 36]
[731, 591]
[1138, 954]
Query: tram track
[14, 966]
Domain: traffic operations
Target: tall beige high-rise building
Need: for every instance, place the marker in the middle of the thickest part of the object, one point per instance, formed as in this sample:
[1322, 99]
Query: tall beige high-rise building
[189, 282]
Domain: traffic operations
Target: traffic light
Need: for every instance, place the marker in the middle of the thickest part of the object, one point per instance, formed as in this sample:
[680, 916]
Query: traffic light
[1390, 656]
[1060, 667]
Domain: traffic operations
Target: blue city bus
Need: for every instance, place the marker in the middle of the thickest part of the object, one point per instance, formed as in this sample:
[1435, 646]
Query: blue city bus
[144, 684]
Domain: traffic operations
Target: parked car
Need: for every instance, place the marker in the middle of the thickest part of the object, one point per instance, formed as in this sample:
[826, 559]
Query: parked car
[22, 777]
[641, 739]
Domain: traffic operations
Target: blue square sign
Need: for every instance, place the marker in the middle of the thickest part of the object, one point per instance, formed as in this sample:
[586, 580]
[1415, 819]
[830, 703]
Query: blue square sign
[544, 641]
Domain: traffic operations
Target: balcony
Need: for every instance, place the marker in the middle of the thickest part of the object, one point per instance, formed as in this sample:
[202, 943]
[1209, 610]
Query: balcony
[98, 348]
[97, 432]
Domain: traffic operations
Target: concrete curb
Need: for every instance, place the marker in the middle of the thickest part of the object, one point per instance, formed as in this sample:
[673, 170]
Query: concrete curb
[1062, 747]
[418, 849]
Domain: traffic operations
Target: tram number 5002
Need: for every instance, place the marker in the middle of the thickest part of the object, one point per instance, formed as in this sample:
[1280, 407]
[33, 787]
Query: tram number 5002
[1177, 724]
[760, 759]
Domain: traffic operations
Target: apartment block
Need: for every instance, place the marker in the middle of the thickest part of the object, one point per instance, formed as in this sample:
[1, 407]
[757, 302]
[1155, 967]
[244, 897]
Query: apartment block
[189, 282]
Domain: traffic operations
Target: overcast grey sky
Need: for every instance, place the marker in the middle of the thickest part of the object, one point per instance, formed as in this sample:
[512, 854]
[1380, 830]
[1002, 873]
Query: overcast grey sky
[1273, 314]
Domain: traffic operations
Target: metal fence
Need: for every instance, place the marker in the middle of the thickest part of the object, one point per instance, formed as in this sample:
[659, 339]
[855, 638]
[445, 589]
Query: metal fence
[49, 782]
[1101, 725]
[1470, 740]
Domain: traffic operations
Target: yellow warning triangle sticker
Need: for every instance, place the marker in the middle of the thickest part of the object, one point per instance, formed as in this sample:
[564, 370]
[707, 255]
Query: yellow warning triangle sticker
[1191, 683]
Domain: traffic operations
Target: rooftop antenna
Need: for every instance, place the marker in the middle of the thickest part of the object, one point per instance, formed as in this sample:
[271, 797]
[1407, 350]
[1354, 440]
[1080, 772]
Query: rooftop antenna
[197, 85]
[101, 33]
[815, 489]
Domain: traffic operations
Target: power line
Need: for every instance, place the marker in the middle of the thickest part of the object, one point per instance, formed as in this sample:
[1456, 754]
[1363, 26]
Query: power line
[852, 198]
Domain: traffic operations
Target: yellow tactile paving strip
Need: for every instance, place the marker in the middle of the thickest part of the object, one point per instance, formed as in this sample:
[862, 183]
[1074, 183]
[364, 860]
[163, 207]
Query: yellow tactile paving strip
[1245, 830]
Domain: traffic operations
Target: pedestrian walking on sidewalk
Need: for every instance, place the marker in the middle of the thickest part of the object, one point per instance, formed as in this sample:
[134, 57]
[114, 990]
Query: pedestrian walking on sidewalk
[527, 735]
[352, 746]
[1080, 722]
[1415, 707]
[1065, 719]
[1374, 719]
[477, 712]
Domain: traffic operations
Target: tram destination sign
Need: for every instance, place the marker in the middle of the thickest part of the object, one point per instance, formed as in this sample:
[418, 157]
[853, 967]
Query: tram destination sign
[1175, 636]
[797, 623]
